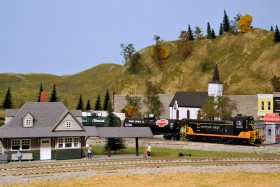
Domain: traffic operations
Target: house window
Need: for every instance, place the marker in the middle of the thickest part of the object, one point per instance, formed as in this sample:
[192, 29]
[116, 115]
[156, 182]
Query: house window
[277, 103]
[68, 124]
[28, 122]
[262, 105]
[269, 131]
[177, 114]
[15, 144]
[268, 105]
[60, 142]
[23, 144]
[76, 142]
[68, 143]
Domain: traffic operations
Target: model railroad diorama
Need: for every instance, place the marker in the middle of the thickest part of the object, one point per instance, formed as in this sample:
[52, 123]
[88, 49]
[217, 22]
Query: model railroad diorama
[240, 130]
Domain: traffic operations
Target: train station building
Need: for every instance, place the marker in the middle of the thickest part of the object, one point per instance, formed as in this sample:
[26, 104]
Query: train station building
[48, 130]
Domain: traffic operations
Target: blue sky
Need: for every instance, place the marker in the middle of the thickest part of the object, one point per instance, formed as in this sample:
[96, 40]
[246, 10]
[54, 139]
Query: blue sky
[65, 37]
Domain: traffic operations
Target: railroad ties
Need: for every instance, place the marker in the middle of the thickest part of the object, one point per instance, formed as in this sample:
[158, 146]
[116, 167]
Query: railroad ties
[37, 168]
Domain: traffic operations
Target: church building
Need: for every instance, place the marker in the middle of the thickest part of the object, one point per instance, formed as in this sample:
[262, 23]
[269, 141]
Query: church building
[188, 104]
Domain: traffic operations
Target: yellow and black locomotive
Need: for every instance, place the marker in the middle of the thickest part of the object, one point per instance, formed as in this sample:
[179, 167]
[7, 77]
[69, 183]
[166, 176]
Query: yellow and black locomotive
[241, 130]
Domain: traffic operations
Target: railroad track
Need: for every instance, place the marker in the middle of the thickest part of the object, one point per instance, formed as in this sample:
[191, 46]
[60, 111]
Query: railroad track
[38, 168]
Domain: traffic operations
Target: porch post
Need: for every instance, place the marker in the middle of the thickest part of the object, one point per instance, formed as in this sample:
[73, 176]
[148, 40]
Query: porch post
[137, 149]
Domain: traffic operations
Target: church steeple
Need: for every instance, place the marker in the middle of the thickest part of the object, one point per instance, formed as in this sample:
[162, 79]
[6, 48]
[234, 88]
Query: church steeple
[215, 87]
[216, 77]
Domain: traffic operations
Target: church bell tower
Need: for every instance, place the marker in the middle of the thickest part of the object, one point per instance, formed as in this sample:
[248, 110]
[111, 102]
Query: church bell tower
[215, 87]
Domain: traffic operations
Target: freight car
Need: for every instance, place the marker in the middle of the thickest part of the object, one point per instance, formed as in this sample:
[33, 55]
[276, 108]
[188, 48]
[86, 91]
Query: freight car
[95, 119]
[240, 131]
[170, 128]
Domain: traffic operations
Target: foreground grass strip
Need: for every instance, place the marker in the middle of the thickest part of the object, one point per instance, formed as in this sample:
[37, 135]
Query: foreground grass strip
[167, 152]
[168, 178]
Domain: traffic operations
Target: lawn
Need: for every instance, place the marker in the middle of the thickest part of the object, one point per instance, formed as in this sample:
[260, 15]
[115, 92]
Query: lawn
[165, 152]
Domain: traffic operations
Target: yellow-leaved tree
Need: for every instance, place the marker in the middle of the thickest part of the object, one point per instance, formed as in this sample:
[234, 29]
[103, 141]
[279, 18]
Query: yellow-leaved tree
[244, 23]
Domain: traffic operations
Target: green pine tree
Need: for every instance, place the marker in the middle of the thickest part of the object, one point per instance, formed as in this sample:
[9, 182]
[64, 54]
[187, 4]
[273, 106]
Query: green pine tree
[221, 31]
[53, 95]
[271, 29]
[190, 33]
[225, 22]
[208, 30]
[80, 105]
[40, 90]
[88, 106]
[157, 51]
[113, 144]
[106, 100]
[276, 35]
[213, 35]
[98, 103]
[111, 120]
[7, 104]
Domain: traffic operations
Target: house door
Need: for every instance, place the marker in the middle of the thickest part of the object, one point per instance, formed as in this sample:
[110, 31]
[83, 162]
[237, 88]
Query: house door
[45, 149]
[270, 134]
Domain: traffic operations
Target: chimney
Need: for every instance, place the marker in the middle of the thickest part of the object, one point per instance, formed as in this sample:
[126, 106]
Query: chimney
[44, 97]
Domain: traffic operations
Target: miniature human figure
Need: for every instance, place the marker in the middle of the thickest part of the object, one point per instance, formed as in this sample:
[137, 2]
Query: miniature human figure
[89, 152]
[19, 155]
[149, 150]
[145, 153]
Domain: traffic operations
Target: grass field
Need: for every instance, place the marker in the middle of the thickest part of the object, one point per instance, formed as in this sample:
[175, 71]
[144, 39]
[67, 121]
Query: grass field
[164, 152]
[166, 179]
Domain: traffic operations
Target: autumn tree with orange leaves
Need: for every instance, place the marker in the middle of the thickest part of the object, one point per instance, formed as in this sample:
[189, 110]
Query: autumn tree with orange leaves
[184, 48]
[244, 23]
[132, 109]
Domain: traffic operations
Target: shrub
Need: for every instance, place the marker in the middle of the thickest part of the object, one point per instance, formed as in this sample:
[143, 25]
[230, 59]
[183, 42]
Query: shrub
[206, 65]
[164, 53]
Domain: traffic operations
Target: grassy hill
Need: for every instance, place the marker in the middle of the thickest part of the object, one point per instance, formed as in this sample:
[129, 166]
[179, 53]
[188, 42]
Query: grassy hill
[25, 87]
[246, 62]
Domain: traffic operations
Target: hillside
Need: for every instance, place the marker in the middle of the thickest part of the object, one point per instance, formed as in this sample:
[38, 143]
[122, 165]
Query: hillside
[246, 63]
[25, 87]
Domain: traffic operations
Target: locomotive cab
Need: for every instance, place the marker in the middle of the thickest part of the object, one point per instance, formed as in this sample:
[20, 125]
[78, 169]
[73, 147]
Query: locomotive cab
[243, 123]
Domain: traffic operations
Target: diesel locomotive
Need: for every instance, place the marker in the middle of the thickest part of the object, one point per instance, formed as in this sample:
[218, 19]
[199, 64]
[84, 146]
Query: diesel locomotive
[240, 130]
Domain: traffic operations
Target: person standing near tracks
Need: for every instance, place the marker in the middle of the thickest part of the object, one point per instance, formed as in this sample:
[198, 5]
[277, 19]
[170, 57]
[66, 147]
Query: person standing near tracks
[89, 152]
[149, 149]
